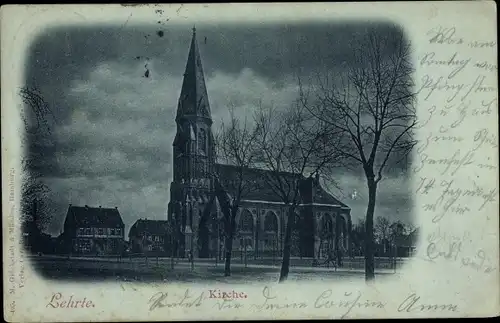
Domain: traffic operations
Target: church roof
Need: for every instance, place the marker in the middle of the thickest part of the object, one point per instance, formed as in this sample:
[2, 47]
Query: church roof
[256, 188]
[97, 217]
[321, 196]
[194, 98]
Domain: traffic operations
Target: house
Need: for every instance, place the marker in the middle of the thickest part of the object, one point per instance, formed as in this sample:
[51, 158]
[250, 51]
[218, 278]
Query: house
[408, 245]
[93, 230]
[322, 222]
[149, 237]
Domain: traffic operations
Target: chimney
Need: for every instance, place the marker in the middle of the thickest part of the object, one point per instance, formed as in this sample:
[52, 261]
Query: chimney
[86, 206]
[99, 206]
[116, 207]
[317, 177]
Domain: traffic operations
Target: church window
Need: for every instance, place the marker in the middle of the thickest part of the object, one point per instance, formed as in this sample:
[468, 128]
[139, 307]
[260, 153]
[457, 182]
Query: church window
[327, 225]
[271, 230]
[246, 221]
[202, 140]
[271, 222]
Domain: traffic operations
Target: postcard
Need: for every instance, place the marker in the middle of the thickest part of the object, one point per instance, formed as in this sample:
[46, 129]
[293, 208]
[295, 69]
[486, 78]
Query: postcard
[172, 162]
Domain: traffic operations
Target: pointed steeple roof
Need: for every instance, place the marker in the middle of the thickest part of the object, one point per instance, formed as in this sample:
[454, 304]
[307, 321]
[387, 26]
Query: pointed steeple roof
[193, 99]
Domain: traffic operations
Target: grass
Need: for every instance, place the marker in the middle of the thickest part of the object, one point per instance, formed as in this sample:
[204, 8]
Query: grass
[89, 270]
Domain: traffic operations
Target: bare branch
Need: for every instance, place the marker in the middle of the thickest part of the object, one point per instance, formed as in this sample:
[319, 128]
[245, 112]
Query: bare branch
[391, 148]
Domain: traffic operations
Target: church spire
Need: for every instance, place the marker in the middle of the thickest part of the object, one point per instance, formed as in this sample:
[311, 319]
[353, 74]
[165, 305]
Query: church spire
[193, 100]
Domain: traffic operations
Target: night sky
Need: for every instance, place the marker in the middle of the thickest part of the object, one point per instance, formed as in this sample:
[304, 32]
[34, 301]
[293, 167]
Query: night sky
[111, 144]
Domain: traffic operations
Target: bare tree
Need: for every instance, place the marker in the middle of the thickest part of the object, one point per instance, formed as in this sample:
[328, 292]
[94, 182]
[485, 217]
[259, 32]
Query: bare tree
[371, 106]
[397, 231]
[382, 231]
[38, 120]
[410, 227]
[235, 144]
[292, 146]
[37, 115]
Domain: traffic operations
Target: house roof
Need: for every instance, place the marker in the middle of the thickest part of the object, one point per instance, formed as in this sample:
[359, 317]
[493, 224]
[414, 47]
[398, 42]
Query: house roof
[99, 217]
[153, 227]
[258, 189]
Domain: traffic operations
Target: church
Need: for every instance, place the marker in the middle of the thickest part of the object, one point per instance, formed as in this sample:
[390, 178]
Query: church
[322, 223]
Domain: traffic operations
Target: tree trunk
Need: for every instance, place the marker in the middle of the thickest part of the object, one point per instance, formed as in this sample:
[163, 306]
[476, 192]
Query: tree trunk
[369, 243]
[336, 238]
[229, 212]
[246, 264]
[229, 241]
[285, 265]
[256, 249]
[229, 249]
[172, 260]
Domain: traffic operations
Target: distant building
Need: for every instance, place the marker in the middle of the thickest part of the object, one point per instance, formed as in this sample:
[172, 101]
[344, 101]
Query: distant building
[149, 237]
[408, 244]
[93, 230]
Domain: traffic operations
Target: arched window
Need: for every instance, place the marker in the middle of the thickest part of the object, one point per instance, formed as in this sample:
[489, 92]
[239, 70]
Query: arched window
[271, 237]
[202, 140]
[271, 222]
[326, 226]
[246, 221]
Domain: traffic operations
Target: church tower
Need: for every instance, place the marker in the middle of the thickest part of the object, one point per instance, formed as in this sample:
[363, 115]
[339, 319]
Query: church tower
[193, 155]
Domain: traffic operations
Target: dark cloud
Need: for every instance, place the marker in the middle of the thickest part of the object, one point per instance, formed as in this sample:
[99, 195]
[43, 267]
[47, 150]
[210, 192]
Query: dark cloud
[111, 145]
[271, 50]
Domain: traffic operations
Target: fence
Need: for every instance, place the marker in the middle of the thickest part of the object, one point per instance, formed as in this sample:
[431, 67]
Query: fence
[357, 262]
